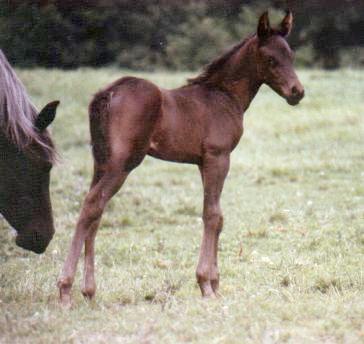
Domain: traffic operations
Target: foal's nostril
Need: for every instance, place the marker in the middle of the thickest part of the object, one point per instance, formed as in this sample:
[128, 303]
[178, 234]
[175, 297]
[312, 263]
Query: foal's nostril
[294, 91]
[297, 92]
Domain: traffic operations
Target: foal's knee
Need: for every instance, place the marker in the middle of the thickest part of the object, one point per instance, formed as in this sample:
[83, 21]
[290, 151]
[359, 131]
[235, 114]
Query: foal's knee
[64, 283]
[214, 220]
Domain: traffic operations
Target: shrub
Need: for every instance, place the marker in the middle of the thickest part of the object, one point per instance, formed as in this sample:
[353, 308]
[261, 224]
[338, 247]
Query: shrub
[167, 33]
[197, 42]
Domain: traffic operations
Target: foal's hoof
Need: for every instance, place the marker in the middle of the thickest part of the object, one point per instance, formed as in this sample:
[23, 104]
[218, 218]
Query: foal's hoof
[65, 301]
[211, 296]
[88, 293]
[208, 291]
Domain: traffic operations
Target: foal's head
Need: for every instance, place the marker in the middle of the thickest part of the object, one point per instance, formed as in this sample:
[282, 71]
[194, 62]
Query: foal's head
[275, 59]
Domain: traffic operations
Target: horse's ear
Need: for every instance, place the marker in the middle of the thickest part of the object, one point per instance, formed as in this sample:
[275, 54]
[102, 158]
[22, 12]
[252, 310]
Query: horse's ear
[264, 29]
[286, 25]
[46, 116]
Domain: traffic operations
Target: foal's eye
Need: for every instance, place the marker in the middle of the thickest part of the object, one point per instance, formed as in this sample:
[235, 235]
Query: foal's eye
[272, 62]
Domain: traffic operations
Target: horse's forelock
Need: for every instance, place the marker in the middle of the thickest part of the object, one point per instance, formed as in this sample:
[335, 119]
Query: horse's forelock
[17, 113]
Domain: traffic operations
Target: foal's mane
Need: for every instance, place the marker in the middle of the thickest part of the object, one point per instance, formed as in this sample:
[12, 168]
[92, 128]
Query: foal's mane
[217, 64]
[17, 114]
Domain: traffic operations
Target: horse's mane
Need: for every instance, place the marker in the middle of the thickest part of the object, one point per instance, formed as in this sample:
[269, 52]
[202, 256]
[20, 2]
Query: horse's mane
[217, 64]
[17, 113]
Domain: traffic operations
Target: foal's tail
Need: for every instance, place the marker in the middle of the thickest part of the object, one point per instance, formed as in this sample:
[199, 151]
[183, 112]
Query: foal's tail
[99, 110]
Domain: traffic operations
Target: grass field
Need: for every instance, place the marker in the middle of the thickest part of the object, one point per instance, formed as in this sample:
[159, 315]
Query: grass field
[292, 249]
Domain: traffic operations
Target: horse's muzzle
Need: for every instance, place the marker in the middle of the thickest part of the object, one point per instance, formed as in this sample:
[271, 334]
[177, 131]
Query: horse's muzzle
[34, 241]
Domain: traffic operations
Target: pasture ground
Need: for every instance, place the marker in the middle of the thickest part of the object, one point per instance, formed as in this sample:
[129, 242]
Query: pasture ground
[292, 249]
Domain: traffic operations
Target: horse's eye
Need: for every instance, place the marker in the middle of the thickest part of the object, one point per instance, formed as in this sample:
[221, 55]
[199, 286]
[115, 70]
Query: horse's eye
[272, 62]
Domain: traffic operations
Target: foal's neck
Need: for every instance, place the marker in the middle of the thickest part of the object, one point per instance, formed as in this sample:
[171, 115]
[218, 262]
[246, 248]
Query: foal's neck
[240, 79]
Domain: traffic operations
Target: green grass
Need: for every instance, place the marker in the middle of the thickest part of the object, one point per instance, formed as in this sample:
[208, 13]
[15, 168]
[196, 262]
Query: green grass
[292, 249]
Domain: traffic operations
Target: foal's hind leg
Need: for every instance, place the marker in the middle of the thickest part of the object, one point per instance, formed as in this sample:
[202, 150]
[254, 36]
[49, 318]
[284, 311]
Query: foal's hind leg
[88, 222]
[213, 172]
[129, 134]
[89, 285]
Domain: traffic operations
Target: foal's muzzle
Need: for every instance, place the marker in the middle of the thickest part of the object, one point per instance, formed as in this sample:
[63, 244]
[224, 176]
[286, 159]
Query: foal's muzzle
[297, 92]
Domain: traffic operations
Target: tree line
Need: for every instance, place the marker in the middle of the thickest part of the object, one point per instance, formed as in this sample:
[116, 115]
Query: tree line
[171, 34]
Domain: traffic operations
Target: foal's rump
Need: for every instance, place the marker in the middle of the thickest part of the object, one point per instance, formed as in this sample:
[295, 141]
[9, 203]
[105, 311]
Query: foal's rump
[122, 118]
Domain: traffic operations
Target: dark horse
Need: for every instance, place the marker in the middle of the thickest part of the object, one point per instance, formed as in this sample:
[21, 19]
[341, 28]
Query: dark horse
[26, 157]
[199, 123]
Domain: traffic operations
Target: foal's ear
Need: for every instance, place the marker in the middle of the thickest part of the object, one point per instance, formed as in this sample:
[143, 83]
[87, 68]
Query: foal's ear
[264, 29]
[46, 116]
[286, 25]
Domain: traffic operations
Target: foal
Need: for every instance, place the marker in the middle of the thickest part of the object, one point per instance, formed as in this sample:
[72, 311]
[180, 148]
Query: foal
[199, 123]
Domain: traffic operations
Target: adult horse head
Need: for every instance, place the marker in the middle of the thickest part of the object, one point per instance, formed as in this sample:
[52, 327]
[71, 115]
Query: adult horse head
[26, 158]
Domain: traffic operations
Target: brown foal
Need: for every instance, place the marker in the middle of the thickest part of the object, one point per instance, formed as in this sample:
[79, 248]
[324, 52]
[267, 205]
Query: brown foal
[199, 123]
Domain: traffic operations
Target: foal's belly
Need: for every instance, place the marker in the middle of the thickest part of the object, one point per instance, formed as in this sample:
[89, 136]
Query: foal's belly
[174, 151]
[175, 139]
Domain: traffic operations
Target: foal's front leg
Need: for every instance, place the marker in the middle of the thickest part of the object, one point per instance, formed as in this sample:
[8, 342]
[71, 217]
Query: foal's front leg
[213, 171]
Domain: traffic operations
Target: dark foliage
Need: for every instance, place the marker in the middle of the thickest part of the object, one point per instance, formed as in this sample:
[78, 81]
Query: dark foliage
[169, 33]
